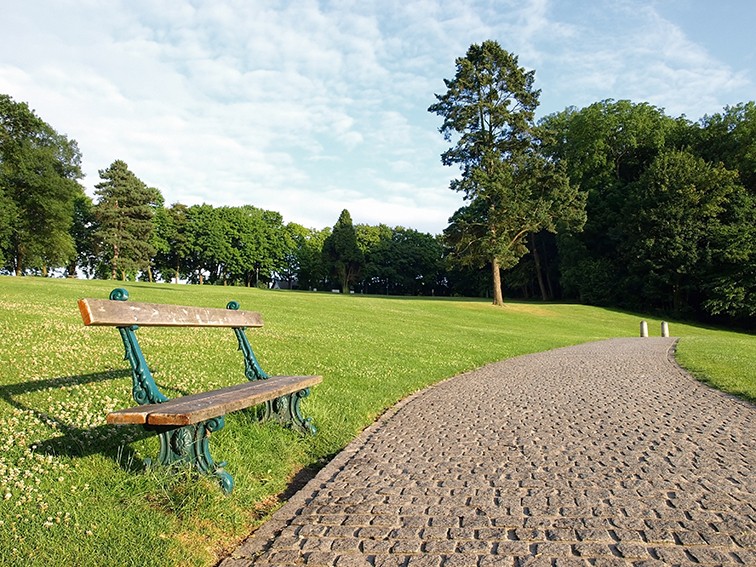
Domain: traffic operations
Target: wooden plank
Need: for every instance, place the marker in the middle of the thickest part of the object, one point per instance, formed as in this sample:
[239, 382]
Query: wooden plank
[198, 407]
[107, 312]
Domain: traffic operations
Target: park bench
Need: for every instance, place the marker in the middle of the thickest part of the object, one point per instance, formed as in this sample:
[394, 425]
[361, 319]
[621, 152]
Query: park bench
[184, 424]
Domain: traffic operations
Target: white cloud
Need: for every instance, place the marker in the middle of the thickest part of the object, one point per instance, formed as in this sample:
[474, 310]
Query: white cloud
[628, 50]
[311, 107]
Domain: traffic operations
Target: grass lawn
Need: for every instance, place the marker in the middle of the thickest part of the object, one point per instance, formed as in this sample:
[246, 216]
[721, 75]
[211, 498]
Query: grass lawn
[76, 491]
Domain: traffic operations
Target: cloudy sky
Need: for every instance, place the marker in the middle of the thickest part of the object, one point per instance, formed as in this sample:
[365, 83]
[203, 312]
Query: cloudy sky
[309, 107]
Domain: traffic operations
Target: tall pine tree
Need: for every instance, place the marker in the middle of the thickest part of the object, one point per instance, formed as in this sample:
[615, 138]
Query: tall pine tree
[341, 253]
[124, 214]
[512, 189]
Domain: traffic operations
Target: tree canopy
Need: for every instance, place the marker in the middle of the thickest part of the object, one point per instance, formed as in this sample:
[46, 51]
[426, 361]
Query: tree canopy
[669, 219]
[512, 188]
[341, 253]
[124, 213]
[39, 173]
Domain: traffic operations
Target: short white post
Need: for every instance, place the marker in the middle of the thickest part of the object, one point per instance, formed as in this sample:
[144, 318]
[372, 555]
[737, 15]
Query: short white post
[644, 329]
[664, 329]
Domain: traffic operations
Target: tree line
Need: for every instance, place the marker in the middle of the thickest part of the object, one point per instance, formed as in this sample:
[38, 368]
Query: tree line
[48, 223]
[613, 204]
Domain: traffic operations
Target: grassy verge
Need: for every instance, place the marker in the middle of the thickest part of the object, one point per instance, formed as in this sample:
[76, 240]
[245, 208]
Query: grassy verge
[75, 491]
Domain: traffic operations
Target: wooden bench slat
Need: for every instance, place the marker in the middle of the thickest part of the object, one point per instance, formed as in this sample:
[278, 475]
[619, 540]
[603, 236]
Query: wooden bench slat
[187, 410]
[106, 312]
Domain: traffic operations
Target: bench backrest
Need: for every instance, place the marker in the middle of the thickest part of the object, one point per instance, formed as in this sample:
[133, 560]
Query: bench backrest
[106, 312]
[128, 317]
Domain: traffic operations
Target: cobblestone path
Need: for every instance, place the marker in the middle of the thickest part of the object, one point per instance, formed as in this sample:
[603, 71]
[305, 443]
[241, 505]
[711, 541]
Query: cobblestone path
[600, 454]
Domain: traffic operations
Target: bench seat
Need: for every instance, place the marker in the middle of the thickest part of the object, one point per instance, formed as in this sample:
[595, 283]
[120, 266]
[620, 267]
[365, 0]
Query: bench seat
[194, 408]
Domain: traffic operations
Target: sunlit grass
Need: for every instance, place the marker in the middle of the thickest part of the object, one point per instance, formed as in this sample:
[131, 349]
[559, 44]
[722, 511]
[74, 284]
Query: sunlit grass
[74, 490]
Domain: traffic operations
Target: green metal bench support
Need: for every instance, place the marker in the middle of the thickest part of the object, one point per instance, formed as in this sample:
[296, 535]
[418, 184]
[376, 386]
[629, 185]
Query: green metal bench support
[285, 409]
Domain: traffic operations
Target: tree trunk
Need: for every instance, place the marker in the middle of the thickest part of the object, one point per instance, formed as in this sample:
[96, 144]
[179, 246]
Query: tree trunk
[115, 261]
[498, 298]
[149, 273]
[677, 295]
[546, 269]
[19, 261]
[177, 271]
[538, 269]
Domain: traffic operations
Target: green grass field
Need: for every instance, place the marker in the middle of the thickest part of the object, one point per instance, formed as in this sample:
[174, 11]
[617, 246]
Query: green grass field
[76, 491]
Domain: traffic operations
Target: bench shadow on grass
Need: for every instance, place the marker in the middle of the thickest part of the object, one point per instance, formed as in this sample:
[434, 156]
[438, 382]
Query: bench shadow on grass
[107, 440]
[111, 441]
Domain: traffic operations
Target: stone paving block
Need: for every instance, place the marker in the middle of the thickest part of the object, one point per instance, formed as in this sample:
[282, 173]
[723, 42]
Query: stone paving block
[407, 546]
[524, 534]
[712, 555]
[374, 532]
[320, 559]
[633, 551]
[745, 539]
[462, 533]
[391, 561]
[592, 550]
[340, 531]
[434, 533]
[534, 562]
[440, 546]
[460, 561]
[479, 547]
[561, 534]
[597, 523]
[535, 522]
[345, 545]
[568, 523]
[594, 535]
[352, 561]
[674, 555]
[552, 549]
[309, 530]
[316, 544]
[445, 521]
[370, 546]
[496, 561]
[659, 536]
[611, 562]
[424, 561]
[746, 556]
[413, 521]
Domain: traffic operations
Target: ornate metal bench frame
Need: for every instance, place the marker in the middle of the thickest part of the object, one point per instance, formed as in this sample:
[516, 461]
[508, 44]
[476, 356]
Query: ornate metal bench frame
[190, 443]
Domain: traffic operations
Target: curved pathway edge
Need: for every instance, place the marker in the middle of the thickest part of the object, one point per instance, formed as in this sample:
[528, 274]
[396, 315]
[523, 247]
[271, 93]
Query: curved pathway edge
[606, 453]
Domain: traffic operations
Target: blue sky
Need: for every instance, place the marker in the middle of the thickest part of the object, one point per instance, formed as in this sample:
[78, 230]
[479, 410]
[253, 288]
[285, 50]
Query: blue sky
[310, 107]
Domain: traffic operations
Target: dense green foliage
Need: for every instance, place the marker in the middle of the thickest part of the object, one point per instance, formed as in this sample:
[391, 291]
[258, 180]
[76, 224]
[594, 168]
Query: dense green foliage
[513, 190]
[39, 169]
[124, 214]
[74, 491]
[671, 209]
[342, 257]
[401, 261]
